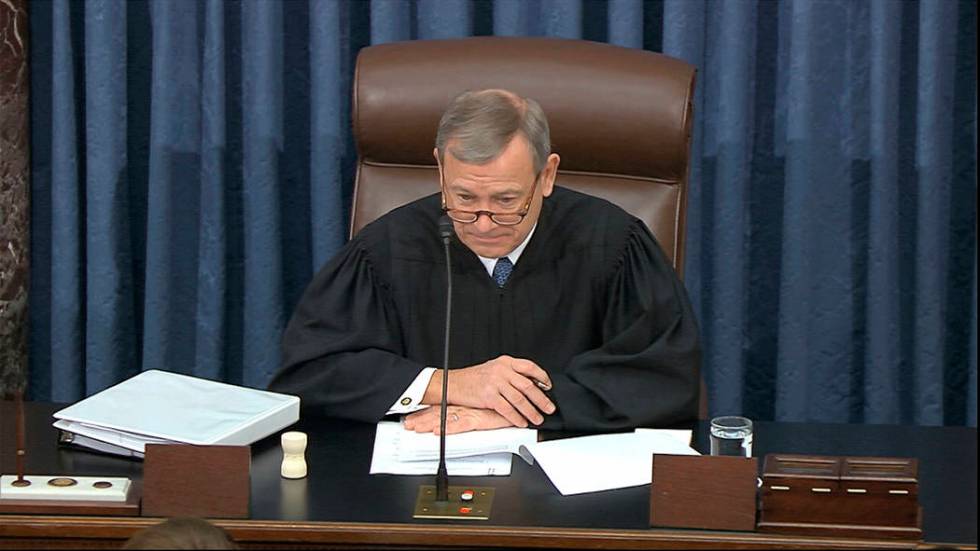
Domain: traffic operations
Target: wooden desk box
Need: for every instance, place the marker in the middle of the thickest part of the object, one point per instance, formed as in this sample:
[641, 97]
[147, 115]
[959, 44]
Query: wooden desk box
[196, 481]
[703, 492]
[840, 496]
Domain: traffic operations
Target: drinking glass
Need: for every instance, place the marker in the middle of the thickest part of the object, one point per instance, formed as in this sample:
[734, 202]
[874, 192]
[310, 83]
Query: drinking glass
[731, 435]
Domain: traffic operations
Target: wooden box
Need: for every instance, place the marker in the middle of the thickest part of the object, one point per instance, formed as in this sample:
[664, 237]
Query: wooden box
[703, 491]
[196, 481]
[840, 496]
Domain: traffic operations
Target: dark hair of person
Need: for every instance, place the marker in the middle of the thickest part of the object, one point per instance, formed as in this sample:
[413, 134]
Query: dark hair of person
[181, 533]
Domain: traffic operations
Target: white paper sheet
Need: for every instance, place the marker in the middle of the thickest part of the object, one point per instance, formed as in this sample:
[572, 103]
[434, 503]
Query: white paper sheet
[478, 453]
[413, 446]
[85, 434]
[605, 461]
[69, 437]
[682, 436]
[495, 464]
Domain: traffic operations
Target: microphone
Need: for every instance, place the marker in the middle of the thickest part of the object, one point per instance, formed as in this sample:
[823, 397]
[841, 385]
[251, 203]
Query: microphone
[446, 231]
[444, 501]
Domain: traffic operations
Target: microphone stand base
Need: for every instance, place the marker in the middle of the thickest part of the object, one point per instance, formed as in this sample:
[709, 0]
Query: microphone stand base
[427, 507]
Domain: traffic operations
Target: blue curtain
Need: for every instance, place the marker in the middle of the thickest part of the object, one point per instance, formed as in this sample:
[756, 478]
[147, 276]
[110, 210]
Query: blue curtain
[193, 164]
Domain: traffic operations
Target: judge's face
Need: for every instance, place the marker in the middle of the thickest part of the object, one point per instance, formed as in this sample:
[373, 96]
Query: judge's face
[505, 185]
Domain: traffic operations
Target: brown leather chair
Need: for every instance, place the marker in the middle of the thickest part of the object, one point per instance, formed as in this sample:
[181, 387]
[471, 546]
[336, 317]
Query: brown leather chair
[620, 119]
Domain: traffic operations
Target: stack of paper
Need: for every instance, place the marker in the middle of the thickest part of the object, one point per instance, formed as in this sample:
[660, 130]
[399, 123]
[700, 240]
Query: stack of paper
[158, 407]
[574, 465]
[478, 453]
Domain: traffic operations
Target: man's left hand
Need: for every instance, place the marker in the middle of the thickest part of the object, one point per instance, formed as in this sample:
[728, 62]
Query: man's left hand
[458, 419]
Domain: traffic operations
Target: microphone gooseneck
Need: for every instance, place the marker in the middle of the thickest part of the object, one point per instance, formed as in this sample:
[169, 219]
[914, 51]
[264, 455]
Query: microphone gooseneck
[446, 231]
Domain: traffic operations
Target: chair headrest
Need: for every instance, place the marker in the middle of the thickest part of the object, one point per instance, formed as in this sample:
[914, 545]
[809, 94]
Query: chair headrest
[612, 110]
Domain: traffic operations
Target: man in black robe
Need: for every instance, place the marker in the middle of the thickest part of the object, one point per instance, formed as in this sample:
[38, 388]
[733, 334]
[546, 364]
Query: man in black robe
[566, 313]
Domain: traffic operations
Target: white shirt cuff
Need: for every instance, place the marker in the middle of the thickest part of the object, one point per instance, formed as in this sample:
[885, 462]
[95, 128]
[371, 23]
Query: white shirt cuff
[411, 399]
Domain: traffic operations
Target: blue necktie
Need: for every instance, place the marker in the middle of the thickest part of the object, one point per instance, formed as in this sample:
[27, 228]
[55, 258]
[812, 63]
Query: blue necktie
[502, 270]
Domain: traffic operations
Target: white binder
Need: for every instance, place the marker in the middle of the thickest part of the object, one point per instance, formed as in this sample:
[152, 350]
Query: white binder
[163, 407]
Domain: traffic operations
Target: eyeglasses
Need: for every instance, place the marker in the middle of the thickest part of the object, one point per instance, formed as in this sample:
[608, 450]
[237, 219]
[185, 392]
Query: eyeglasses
[500, 218]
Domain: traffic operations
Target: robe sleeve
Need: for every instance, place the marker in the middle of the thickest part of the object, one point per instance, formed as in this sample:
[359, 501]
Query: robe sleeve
[646, 372]
[342, 351]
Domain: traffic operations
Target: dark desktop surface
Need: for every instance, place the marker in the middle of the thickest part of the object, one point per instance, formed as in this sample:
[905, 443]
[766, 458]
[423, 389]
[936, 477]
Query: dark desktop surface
[338, 487]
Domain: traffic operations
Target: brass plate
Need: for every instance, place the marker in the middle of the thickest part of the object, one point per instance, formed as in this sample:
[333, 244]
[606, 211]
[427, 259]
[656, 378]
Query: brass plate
[62, 482]
[427, 507]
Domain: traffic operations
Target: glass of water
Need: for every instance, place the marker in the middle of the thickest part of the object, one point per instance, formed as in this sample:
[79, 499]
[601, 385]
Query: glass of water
[731, 435]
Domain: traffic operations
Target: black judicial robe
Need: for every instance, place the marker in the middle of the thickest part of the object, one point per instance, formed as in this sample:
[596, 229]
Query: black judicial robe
[592, 300]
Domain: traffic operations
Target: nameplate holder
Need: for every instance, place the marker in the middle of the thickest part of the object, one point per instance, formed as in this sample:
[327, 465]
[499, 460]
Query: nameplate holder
[703, 492]
[196, 481]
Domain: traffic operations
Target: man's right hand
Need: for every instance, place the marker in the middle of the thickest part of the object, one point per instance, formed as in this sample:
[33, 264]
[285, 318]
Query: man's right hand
[504, 384]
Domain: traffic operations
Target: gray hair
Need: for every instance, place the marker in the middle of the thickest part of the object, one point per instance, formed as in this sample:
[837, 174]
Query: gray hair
[481, 123]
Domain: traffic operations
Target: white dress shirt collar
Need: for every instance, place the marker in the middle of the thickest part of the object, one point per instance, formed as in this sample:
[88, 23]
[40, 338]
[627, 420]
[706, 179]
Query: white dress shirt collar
[489, 263]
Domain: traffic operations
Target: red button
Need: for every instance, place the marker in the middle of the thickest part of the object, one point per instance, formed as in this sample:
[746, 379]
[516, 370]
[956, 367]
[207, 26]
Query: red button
[465, 510]
[466, 495]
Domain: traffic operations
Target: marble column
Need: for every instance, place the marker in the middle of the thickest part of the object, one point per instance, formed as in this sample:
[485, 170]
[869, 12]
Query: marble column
[14, 194]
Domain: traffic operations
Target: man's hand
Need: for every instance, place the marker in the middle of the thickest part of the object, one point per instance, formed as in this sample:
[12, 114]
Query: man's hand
[458, 419]
[506, 385]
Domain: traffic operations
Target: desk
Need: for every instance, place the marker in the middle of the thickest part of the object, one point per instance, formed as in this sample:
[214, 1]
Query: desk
[340, 505]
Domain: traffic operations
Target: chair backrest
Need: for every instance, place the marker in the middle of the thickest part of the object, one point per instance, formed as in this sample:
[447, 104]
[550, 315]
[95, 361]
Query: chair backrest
[620, 119]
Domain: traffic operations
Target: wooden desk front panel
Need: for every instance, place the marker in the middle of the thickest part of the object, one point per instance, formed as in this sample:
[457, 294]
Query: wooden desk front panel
[86, 532]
